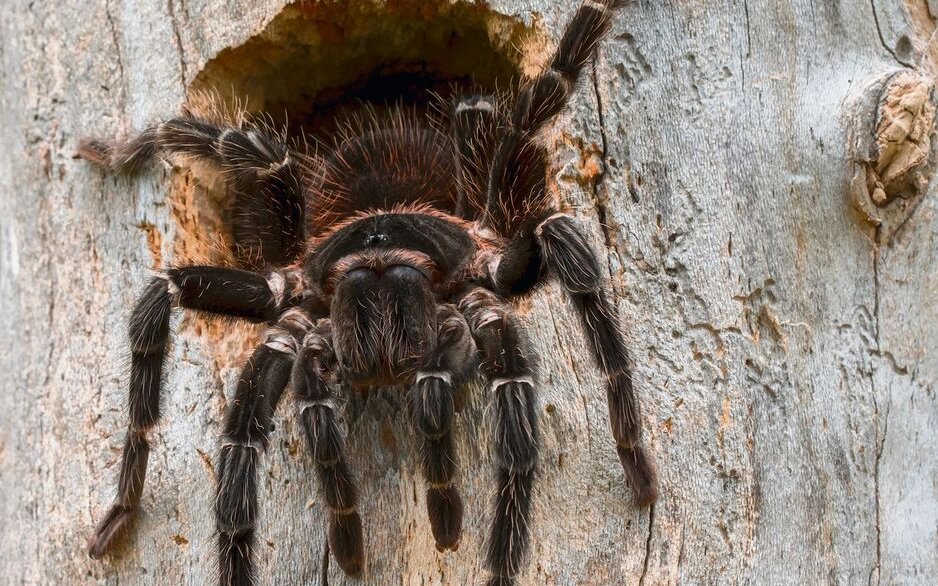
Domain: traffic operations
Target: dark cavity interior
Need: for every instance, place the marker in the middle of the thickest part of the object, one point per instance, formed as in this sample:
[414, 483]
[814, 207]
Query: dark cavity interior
[316, 61]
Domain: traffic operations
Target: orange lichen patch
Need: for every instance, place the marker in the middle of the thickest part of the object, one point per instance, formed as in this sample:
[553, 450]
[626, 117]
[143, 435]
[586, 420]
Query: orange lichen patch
[207, 463]
[726, 414]
[154, 242]
[906, 119]
[197, 199]
[590, 164]
[230, 342]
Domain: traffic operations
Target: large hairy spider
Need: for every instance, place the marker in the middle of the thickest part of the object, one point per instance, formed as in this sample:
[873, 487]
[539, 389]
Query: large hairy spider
[391, 260]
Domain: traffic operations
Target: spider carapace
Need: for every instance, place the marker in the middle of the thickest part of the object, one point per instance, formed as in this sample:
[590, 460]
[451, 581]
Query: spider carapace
[391, 258]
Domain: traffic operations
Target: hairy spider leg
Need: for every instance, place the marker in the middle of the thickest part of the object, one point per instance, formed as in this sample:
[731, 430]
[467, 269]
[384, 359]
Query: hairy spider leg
[559, 244]
[474, 122]
[431, 400]
[266, 177]
[508, 363]
[570, 258]
[246, 431]
[516, 183]
[229, 292]
[320, 402]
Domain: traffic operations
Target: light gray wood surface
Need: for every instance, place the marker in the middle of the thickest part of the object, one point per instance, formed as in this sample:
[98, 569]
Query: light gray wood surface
[785, 346]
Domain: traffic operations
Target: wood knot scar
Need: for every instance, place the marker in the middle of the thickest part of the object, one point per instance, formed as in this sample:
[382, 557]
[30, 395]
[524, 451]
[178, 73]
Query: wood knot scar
[904, 126]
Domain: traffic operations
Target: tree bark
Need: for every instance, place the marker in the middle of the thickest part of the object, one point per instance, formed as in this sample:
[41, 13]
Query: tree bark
[781, 311]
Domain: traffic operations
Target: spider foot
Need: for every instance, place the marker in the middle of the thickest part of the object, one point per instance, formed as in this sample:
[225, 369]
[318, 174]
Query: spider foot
[640, 469]
[347, 542]
[445, 510]
[109, 529]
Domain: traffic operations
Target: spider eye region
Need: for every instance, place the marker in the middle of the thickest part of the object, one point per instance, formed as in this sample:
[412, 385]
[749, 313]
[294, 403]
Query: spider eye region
[376, 240]
[434, 245]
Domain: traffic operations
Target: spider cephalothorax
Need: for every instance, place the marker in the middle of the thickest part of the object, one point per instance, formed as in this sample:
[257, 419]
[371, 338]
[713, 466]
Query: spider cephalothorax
[391, 259]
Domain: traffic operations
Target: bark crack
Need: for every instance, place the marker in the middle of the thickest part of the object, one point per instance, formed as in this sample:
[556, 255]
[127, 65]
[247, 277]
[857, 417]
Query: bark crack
[601, 206]
[324, 565]
[881, 441]
[51, 316]
[651, 526]
[882, 39]
[183, 74]
[115, 38]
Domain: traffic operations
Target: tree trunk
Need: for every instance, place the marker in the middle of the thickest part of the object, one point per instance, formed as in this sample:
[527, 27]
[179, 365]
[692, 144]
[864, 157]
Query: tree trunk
[759, 175]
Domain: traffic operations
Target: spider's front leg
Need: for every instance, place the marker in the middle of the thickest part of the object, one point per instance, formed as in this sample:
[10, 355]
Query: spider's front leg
[559, 243]
[246, 431]
[432, 405]
[320, 403]
[509, 366]
[228, 292]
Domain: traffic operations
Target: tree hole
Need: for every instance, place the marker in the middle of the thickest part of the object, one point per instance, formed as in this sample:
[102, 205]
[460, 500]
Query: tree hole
[315, 63]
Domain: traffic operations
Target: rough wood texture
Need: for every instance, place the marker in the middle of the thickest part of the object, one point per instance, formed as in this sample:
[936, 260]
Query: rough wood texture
[786, 349]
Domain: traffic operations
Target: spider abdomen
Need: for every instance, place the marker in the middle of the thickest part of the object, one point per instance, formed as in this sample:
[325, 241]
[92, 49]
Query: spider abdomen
[385, 163]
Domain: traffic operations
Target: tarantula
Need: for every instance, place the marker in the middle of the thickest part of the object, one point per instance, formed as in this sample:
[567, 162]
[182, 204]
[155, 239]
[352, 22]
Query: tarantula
[390, 261]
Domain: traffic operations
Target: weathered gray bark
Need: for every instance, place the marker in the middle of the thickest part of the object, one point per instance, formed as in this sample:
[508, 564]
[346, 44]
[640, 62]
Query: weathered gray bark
[786, 349]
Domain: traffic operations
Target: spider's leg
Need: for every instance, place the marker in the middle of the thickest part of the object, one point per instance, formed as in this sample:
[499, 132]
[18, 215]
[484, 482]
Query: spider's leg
[246, 430]
[516, 172]
[473, 123]
[320, 403]
[567, 253]
[508, 365]
[267, 218]
[225, 291]
[431, 404]
[560, 244]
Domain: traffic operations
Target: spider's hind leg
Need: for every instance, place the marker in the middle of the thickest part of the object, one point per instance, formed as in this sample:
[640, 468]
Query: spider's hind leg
[266, 178]
[567, 253]
[558, 244]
